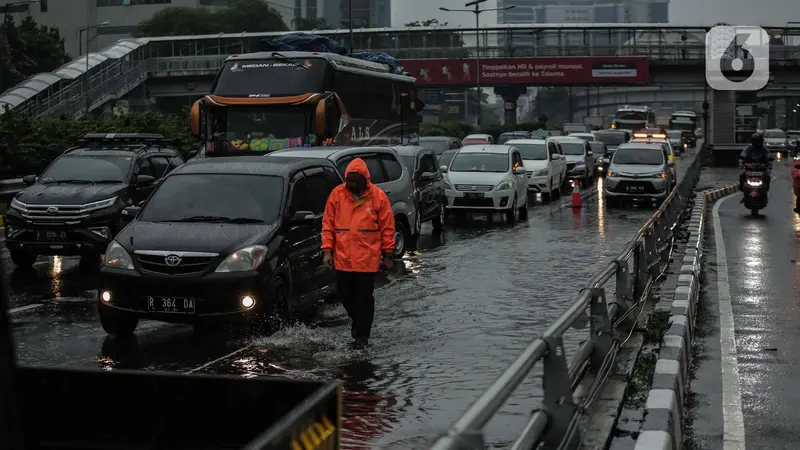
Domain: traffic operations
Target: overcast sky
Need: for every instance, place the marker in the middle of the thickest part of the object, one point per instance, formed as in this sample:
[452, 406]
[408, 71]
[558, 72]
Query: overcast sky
[688, 12]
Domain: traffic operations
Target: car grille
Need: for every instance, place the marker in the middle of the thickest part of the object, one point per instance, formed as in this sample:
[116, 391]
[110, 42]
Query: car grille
[188, 264]
[473, 202]
[54, 214]
[474, 187]
[646, 187]
[570, 166]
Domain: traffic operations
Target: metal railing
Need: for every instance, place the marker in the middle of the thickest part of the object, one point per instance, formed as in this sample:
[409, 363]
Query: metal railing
[555, 422]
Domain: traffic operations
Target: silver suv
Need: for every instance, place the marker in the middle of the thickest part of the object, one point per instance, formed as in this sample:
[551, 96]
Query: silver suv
[638, 171]
[386, 172]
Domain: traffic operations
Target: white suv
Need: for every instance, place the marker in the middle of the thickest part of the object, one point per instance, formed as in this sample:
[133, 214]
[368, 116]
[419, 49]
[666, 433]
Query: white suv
[546, 166]
[487, 178]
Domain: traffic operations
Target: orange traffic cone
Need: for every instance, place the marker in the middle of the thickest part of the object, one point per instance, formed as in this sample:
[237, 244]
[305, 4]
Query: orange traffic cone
[576, 195]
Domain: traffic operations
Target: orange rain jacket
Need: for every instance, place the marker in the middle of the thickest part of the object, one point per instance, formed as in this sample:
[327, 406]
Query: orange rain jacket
[358, 232]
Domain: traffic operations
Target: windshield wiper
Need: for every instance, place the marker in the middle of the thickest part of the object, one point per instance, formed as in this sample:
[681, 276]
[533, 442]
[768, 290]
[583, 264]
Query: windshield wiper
[286, 60]
[75, 181]
[217, 219]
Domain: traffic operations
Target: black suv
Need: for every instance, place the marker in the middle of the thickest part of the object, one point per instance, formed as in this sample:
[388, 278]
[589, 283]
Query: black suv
[221, 239]
[75, 206]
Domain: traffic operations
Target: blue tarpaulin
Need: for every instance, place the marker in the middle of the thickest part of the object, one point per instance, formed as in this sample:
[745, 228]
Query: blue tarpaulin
[306, 42]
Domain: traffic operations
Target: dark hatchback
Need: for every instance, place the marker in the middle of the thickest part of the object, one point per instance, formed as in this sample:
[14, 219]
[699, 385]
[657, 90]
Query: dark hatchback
[75, 207]
[222, 239]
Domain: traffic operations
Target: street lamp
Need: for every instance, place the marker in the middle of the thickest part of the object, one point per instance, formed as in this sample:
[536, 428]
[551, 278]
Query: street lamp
[86, 73]
[2, 50]
[477, 11]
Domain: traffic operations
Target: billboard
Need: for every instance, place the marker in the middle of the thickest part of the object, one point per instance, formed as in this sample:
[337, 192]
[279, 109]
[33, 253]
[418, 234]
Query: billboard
[529, 71]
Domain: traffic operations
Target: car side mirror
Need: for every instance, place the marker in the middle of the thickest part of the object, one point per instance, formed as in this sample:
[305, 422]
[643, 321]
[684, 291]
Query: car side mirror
[520, 170]
[443, 169]
[670, 163]
[144, 180]
[129, 213]
[555, 156]
[606, 160]
[28, 180]
[427, 176]
[302, 218]
[589, 153]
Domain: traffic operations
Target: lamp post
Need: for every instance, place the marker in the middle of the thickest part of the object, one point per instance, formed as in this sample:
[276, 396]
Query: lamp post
[350, 22]
[477, 11]
[6, 11]
[86, 73]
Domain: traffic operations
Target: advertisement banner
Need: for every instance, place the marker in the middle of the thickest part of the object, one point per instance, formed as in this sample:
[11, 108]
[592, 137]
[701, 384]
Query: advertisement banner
[529, 71]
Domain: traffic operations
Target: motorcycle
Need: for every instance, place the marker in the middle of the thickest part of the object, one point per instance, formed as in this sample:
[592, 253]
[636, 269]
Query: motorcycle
[755, 188]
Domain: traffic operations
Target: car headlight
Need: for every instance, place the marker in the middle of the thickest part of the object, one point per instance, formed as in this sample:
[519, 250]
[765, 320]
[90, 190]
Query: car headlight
[610, 174]
[94, 206]
[541, 173]
[117, 257]
[248, 258]
[18, 205]
[504, 185]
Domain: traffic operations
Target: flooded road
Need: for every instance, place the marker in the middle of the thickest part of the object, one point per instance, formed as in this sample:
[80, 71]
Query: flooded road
[449, 319]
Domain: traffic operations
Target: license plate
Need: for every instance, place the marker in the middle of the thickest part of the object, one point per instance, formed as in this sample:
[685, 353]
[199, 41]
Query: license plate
[51, 236]
[180, 305]
[635, 188]
[755, 174]
[473, 194]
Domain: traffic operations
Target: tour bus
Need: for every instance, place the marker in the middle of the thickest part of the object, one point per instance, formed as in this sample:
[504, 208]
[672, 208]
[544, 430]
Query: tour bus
[633, 118]
[261, 102]
[685, 121]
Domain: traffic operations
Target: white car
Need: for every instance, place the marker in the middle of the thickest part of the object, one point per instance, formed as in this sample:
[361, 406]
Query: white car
[584, 136]
[580, 158]
[546, 166]
[490, 178]
[477, 139]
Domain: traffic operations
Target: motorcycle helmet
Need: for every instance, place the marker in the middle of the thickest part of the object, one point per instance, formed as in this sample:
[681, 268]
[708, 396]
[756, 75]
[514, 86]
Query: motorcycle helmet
[757, 139]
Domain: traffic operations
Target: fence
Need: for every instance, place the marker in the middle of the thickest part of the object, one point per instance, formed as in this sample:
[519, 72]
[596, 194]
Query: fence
[555, 423]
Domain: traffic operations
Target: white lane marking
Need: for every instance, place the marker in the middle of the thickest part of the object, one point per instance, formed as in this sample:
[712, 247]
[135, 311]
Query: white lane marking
[732, 416]
[25, 308]
[211, 363]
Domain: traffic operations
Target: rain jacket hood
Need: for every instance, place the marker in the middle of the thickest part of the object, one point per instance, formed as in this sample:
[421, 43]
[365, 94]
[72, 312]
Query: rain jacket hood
[358, 165]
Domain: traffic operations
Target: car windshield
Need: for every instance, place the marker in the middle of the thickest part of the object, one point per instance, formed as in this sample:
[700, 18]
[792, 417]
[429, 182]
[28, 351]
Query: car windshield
[438, 146]
[532, 151]
[88, 169]
[220, 198]
[640, 156]
[597, 148]
[480, 162]
[505, 137]
[675, 134]
[572, 148]
[614, 139]
[631, 115]
[775, 134]
[585, 137]
[446, 157]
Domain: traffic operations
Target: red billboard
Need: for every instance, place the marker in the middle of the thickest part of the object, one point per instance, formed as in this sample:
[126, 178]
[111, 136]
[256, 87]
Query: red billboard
[532, 71]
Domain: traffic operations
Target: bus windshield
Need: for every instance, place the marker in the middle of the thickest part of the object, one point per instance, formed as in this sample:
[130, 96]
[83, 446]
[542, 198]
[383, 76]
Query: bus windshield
[631, 115]
[683, 123]
[262, 128]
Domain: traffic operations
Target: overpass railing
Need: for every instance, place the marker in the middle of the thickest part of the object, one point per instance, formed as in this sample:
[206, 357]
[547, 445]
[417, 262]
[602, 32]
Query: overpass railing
[124, 69]
[630, 276]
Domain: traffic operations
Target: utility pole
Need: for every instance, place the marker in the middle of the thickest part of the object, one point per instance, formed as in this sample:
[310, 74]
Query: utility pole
[86, 29]
[477, 11]
[350, 22]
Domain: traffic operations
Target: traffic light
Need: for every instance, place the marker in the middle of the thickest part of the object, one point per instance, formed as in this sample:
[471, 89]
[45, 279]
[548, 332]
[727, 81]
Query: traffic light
[43, 5]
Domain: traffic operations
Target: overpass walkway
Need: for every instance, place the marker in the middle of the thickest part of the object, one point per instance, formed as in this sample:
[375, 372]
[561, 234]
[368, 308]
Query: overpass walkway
[748, 365]
[88, 83]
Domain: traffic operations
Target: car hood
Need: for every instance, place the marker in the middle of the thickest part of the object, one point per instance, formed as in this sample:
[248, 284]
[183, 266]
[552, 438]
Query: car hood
[535, 164]
[68, 194]
[477, 178]
[636, 168]
[192, 237]
[574, 158]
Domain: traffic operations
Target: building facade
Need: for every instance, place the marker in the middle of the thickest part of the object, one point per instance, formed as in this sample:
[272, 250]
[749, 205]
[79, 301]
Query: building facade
[337, 13]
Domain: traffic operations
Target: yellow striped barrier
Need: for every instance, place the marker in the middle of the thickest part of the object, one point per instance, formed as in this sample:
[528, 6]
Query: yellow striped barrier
[317, 435]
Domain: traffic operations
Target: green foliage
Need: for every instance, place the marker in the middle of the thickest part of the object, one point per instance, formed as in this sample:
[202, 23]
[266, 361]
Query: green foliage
[29, 144]
[243, 15]
[27, 49]
[460, 130]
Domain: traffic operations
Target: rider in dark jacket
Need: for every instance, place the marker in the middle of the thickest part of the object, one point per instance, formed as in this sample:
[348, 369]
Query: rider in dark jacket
[755, 153]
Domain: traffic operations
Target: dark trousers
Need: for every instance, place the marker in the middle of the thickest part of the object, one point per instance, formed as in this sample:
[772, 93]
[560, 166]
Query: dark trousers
[355, 291]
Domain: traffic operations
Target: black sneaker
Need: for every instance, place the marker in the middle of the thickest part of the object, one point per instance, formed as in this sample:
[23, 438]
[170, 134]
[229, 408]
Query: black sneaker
[359, 344]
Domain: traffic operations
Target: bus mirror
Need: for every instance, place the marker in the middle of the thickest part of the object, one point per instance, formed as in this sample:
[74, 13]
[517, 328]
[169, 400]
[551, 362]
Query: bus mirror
[194, 118]
[321, 118]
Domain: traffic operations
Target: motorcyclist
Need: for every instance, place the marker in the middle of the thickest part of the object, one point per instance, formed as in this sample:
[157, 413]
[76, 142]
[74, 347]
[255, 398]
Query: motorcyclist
[758, 154]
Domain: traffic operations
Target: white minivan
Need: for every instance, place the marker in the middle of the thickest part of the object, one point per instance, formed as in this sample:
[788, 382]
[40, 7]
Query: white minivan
[546, 166]
[489, 178]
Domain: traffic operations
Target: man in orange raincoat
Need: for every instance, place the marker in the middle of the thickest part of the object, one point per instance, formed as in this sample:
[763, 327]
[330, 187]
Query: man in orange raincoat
[357, 238]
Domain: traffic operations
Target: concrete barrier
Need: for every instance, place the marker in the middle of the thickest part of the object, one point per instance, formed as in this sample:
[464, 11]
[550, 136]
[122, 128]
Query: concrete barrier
[664, 409]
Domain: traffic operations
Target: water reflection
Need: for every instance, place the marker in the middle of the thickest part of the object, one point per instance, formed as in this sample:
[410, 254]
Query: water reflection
[55, 274]
[601, 209]
[367, 414]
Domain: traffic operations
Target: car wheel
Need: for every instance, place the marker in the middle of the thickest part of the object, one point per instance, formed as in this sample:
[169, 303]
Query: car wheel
[22, 258]
[440, 219]
[400, 238]
[117, 323]
[271, 318]
[511, 215]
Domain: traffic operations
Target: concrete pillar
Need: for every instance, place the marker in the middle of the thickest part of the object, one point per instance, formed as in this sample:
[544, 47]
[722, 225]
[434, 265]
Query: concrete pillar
[510, 95]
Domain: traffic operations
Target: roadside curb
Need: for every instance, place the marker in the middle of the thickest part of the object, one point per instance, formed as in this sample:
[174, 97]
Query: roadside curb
[663, 416]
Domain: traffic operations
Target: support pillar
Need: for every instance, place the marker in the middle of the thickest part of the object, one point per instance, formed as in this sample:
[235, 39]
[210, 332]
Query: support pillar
[510, 95]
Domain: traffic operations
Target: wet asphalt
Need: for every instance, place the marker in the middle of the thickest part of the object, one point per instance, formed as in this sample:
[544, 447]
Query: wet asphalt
[761, 254]
[449, 319]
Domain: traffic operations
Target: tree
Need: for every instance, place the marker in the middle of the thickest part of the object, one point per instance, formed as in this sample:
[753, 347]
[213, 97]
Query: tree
[28, 49]
[243, 15]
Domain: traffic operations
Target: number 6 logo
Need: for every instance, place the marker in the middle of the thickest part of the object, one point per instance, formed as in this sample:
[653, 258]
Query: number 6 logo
[737, 58]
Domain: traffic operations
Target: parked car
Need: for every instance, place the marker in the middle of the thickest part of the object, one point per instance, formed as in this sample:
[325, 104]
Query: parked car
[489, 178]
[599, 150]
[505, 137]
[639, 171]
[440, 144]
[221, 239]
[386, 172]
[476, 139]
[580, 159]
[428, 181]
[545, 165]
[446, 157]
[75, 206]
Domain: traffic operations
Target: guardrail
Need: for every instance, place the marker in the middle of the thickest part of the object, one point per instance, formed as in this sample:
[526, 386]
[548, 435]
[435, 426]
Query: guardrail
[10, 188]
[555, 422]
